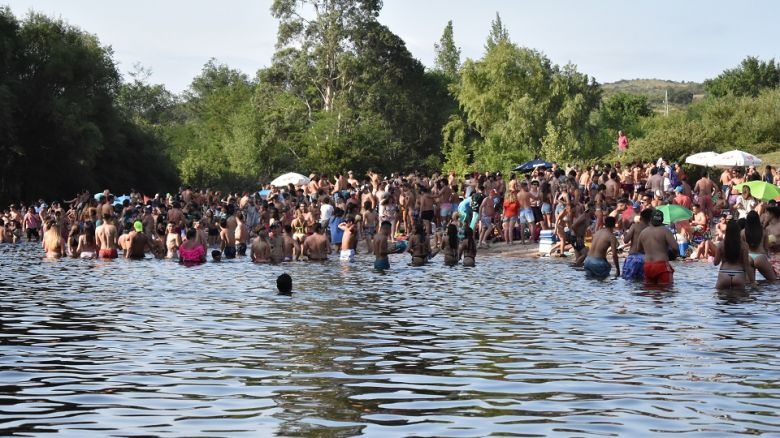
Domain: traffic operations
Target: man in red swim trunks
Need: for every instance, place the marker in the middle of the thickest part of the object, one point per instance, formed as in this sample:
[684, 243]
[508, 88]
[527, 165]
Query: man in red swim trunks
[656, 242]
[106, 237]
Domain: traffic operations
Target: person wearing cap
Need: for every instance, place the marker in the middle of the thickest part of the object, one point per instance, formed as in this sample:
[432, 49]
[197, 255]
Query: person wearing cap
[137, 242]
[657, 243]
[681, 198]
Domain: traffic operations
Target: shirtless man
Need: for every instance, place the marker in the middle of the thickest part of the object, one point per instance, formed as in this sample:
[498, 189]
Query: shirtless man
[227, 239]
[381, 261]
[705, 189]
[277, 244]
[657, 242]
[316, 247]
[288, 243]
[634, 265]
[526, 213]
[348, 240]
[612, 191]
[604, 240]
[425, 203]
[486, 212]
[138, 242]
[242, 234]
[576, 235]
[106, 238]
[261, 248]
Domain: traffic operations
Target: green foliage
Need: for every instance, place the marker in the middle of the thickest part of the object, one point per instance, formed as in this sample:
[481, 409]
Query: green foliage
[731, 122]
[498, 34]
[680, 94]
[748, 79]
[62, 129]
[447, 54]
[522, 105]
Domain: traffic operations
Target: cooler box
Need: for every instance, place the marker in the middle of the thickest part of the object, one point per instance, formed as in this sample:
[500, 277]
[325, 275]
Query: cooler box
[546, 241]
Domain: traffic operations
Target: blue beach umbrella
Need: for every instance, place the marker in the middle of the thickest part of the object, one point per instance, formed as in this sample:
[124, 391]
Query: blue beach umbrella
[529, 166]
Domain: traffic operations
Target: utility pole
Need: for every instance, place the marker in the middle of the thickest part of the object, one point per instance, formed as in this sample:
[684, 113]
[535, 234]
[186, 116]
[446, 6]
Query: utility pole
[666, 101]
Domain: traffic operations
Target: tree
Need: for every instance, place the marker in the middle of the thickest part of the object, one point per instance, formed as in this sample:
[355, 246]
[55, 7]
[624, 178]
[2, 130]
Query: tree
[498, 33]
[447, 54]
[748, 79]
[313, 41]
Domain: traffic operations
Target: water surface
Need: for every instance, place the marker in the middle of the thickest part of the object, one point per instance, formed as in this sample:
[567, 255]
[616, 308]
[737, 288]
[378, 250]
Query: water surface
[513, 347]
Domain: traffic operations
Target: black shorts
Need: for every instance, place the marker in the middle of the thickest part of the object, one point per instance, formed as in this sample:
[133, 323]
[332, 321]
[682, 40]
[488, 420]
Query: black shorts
[577, 242]
[33, 232]
[229, 252]
[427, 215]
[242, 249]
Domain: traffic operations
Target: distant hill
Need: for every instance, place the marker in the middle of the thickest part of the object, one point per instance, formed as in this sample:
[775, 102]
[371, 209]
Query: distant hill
[680, 93]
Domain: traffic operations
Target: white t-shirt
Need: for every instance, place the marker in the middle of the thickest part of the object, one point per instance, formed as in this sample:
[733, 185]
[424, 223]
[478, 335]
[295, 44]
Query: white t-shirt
[326, 212]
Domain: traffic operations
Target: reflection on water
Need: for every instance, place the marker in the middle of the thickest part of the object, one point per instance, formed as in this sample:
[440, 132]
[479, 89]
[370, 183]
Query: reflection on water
[513, 347]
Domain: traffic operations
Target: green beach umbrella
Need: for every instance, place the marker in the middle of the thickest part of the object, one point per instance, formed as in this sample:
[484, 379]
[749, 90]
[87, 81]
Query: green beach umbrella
[761, 190]
[674, 213]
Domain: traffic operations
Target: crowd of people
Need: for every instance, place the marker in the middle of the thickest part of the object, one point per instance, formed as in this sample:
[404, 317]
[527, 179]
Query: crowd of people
[593, 213]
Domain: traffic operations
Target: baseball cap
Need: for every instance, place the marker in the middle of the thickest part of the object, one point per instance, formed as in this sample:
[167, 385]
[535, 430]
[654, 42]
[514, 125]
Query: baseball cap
[678, 189]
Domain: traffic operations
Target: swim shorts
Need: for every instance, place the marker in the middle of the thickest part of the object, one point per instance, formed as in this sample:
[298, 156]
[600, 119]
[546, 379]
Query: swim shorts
[108, 253]
[381, 264]
[347, 255]
[427, 215]
[486, 221]
[242, 249]
[634, 267]
[229, 252]
[597, 268]
[445, 210]
[526, 216]
[658, 272]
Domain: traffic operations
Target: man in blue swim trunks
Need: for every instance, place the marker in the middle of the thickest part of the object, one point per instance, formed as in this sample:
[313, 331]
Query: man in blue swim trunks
[596, 265]
[382, 262]
[634, 265]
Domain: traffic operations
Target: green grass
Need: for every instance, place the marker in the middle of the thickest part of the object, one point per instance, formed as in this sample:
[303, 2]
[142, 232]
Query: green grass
[772, 158]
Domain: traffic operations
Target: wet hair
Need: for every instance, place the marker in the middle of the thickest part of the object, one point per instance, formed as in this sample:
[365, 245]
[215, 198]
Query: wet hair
[216, 255]
[609, 222]
[191, 233]
[754, 232]
[419, 230]
[89, 233]
[452, 236]
[284, 284]
[468, 236]
[732, 242]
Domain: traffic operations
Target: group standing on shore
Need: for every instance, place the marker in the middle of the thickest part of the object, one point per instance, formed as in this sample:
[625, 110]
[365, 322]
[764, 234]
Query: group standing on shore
[614, 206]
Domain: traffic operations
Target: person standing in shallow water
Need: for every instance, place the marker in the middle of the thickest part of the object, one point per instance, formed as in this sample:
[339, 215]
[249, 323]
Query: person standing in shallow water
[381, 261]
[657, 243]
[468, 248]
[604, 241]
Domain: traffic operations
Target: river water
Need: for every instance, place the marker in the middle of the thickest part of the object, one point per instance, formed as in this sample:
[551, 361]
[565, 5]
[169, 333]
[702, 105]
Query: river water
[514, 347]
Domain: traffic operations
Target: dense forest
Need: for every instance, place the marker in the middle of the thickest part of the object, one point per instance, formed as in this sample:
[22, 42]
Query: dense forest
[342, 92]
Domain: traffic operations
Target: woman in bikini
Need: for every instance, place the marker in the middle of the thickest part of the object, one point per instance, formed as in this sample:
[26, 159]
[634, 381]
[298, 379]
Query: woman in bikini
[449, 246]
[53, 244]
[192, 251]
[468, 248]
[419, 246]
[732, 256]
[87, 246]
[757, 244]
[773, 237]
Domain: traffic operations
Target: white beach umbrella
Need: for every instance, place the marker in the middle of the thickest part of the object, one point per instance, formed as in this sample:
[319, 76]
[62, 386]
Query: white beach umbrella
[735, 159]
[701, 159]
[293, 178]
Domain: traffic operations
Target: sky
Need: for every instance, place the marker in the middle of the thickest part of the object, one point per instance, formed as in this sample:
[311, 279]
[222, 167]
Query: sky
[610, 40]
